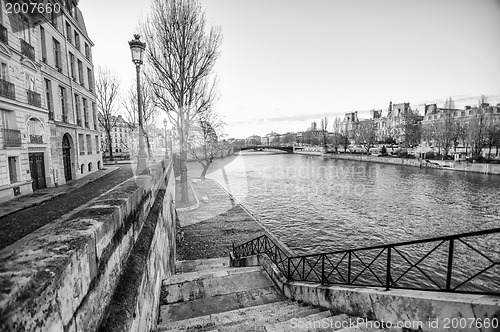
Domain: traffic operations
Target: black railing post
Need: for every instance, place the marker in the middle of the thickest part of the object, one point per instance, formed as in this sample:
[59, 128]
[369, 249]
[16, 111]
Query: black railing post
[349, 269]
[450, 265]
[303, 268]
[388, 270]
[289, 270]
[323, 269]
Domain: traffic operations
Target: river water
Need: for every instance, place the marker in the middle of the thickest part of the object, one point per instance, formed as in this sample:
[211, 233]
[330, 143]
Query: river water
[315, 205]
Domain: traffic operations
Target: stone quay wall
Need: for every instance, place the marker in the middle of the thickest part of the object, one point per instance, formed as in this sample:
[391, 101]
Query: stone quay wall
[445, 165]
[62, 277]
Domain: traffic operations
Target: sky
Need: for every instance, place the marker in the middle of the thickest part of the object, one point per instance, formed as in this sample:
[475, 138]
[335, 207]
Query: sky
[286, 63]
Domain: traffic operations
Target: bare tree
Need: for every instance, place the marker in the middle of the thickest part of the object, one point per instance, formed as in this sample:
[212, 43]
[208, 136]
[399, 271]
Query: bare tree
[477, 128]
[410, 128]
[107, 85]
[366, 134]
[205, 142]
[288, 138]
[181, 52]
[150, 112]
[324, 133]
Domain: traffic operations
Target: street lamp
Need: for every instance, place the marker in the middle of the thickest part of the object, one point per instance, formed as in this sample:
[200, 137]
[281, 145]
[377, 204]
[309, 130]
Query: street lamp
[137, 49]
[165, 124]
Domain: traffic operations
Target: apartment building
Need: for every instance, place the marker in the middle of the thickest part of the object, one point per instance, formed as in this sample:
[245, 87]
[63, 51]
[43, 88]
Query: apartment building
[65, 57]
[49, 132]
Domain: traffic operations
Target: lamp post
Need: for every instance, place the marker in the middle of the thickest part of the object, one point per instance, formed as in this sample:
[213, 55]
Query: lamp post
[165, 124]
[137, 49]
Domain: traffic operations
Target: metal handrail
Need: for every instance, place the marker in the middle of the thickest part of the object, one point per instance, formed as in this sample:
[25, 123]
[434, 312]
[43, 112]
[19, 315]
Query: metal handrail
[390, 265]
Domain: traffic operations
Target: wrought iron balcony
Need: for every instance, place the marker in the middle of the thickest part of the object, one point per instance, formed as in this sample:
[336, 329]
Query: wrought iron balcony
[27, 50]
[4, 35]
[11, 138]
[34, 98]
[7, 89]
[36, 139]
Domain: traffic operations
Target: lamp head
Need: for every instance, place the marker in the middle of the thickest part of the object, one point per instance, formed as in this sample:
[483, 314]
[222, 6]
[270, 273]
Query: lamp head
[137, 49]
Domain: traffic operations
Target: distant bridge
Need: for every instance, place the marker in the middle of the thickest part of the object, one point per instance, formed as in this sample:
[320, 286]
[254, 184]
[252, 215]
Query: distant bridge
[289, 149]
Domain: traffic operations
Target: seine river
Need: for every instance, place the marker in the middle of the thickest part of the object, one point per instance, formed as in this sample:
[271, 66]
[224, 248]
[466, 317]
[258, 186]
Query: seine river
[314, 204]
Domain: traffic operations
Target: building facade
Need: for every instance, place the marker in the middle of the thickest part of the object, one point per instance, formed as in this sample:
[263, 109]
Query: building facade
[65, 58]
[123, 139]
[48, 116]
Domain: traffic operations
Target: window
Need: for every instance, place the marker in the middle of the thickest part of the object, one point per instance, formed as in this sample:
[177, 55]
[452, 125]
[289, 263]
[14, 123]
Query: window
[97, 144]
[77, 109]
[81, 144]
[57, 54]
[89, 144]
[68, 32]
[62, 100]
[72, 66]
[94, 113]
[91, 81]
[44, 45]
[53, 16]
[48, 99]
[13, 169]
[77, 41]
[4, 71]
[24, 28]
[85, 112]
[87, 52]
[80, 72]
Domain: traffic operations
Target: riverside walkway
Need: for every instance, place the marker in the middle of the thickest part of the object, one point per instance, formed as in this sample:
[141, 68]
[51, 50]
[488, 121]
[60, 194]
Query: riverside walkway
[209, 230]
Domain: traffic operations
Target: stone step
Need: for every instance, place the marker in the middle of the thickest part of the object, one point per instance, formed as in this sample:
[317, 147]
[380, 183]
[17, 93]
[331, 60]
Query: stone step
[220, 303]
[201, 264]
[368, 327]
[251, 316]
[209, 287]
[322, 321]
[258, 323]
[213, 273]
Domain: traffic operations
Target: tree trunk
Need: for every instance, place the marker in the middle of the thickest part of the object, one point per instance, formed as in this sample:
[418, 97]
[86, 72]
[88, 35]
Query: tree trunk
[110, 146]
[205, 169]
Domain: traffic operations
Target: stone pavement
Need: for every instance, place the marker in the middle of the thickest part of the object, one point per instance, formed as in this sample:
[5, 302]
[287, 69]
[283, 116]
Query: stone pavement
[210, 230]
[46, 194]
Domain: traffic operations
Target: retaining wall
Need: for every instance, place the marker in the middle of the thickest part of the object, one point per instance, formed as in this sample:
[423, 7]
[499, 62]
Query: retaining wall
[445, 165]
[62, 276]
[429, 311]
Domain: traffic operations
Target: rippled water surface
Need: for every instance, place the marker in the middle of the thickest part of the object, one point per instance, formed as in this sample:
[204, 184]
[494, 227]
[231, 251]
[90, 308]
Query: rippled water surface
[316, 205]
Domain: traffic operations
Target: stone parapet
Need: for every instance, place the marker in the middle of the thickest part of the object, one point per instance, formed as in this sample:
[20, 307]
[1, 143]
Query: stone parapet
[62, 276]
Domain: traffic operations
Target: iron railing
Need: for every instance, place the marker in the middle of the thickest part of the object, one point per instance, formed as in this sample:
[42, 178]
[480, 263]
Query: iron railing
[462, 263]
[34, 98]
[7, 89]
[11, 138]
[27, 50]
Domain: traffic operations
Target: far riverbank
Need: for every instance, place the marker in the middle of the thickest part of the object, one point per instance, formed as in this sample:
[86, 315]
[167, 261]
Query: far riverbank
[440, 164]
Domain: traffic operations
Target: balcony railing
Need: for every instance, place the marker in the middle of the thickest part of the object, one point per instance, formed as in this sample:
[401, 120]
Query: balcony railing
[461, 263]
[4, 35]
[11, 138]
[7, 89]
[36, 139]
[34, 98]
[27, 50]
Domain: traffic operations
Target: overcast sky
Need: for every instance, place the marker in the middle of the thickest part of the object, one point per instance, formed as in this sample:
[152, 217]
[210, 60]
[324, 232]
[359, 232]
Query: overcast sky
[286, 63]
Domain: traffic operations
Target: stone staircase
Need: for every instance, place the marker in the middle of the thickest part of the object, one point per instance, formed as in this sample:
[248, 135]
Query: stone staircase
[208, 295]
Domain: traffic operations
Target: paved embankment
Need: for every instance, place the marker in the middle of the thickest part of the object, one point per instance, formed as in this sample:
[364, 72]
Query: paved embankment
[209, 230]
[448, 165]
